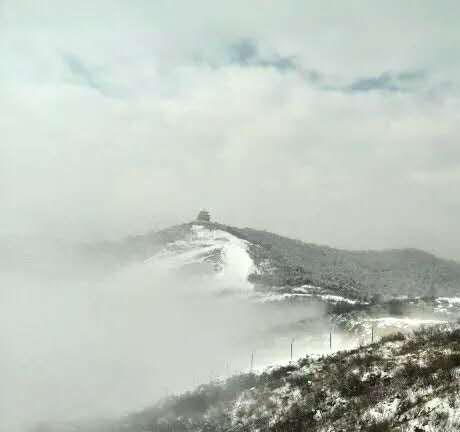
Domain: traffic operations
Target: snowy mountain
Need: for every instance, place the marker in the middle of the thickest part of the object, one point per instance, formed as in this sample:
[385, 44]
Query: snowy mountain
[258, 297]
[270, 269]
[270, 262]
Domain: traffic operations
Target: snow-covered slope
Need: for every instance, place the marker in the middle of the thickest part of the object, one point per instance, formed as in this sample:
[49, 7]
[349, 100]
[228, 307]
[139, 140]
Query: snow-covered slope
[285, 262]
[211, 253]
[402, 383]
[448, 305]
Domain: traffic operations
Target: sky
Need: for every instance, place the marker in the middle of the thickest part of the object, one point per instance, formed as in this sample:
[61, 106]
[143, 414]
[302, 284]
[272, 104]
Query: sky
[332, 122]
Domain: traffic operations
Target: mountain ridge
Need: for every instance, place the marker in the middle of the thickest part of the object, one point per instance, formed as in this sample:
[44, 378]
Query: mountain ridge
[292, 262]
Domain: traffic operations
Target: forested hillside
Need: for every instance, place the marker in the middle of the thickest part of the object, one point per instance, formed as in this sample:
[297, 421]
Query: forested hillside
[282, 261]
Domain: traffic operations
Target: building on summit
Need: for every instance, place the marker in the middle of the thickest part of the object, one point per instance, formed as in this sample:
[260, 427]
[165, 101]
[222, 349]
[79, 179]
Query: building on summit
[203, 216]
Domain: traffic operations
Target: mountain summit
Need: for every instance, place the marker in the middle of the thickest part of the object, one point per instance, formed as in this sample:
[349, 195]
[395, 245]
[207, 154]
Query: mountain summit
[254, 259]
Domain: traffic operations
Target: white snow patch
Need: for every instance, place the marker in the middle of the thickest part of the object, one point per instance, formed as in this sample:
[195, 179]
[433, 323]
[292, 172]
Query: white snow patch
[383, 410]
[437, 414]
[337, 299]
[450, 300]
[306, 291]
[404, 323]
[220, 254]
[276, 297]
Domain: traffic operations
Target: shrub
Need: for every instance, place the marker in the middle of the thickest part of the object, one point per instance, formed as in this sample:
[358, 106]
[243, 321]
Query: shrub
[351, 385]
[394, 337]
[365, 359]
[297, 380]
[445, 361]
[411, 372]
[381, 426]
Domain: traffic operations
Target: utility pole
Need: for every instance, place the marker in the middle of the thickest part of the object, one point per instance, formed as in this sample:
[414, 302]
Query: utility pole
[292, 343]
[330, 339]
[252, 361]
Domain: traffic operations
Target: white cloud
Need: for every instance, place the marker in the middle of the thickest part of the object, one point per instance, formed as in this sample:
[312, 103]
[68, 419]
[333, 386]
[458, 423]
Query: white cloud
[178, 127]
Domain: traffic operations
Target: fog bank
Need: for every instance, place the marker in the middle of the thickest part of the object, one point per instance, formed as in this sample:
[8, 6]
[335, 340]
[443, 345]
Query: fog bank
[77, 347]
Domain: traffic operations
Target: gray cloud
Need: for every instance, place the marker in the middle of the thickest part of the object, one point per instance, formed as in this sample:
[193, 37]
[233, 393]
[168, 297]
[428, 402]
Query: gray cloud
[243, 52]
[389, 82]
[82, 73]
[246, 52]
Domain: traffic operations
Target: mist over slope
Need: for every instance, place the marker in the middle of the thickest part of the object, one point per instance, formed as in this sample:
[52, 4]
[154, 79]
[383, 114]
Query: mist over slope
[405, 384]
[84, 339]
[106, 329]
[281, 261]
